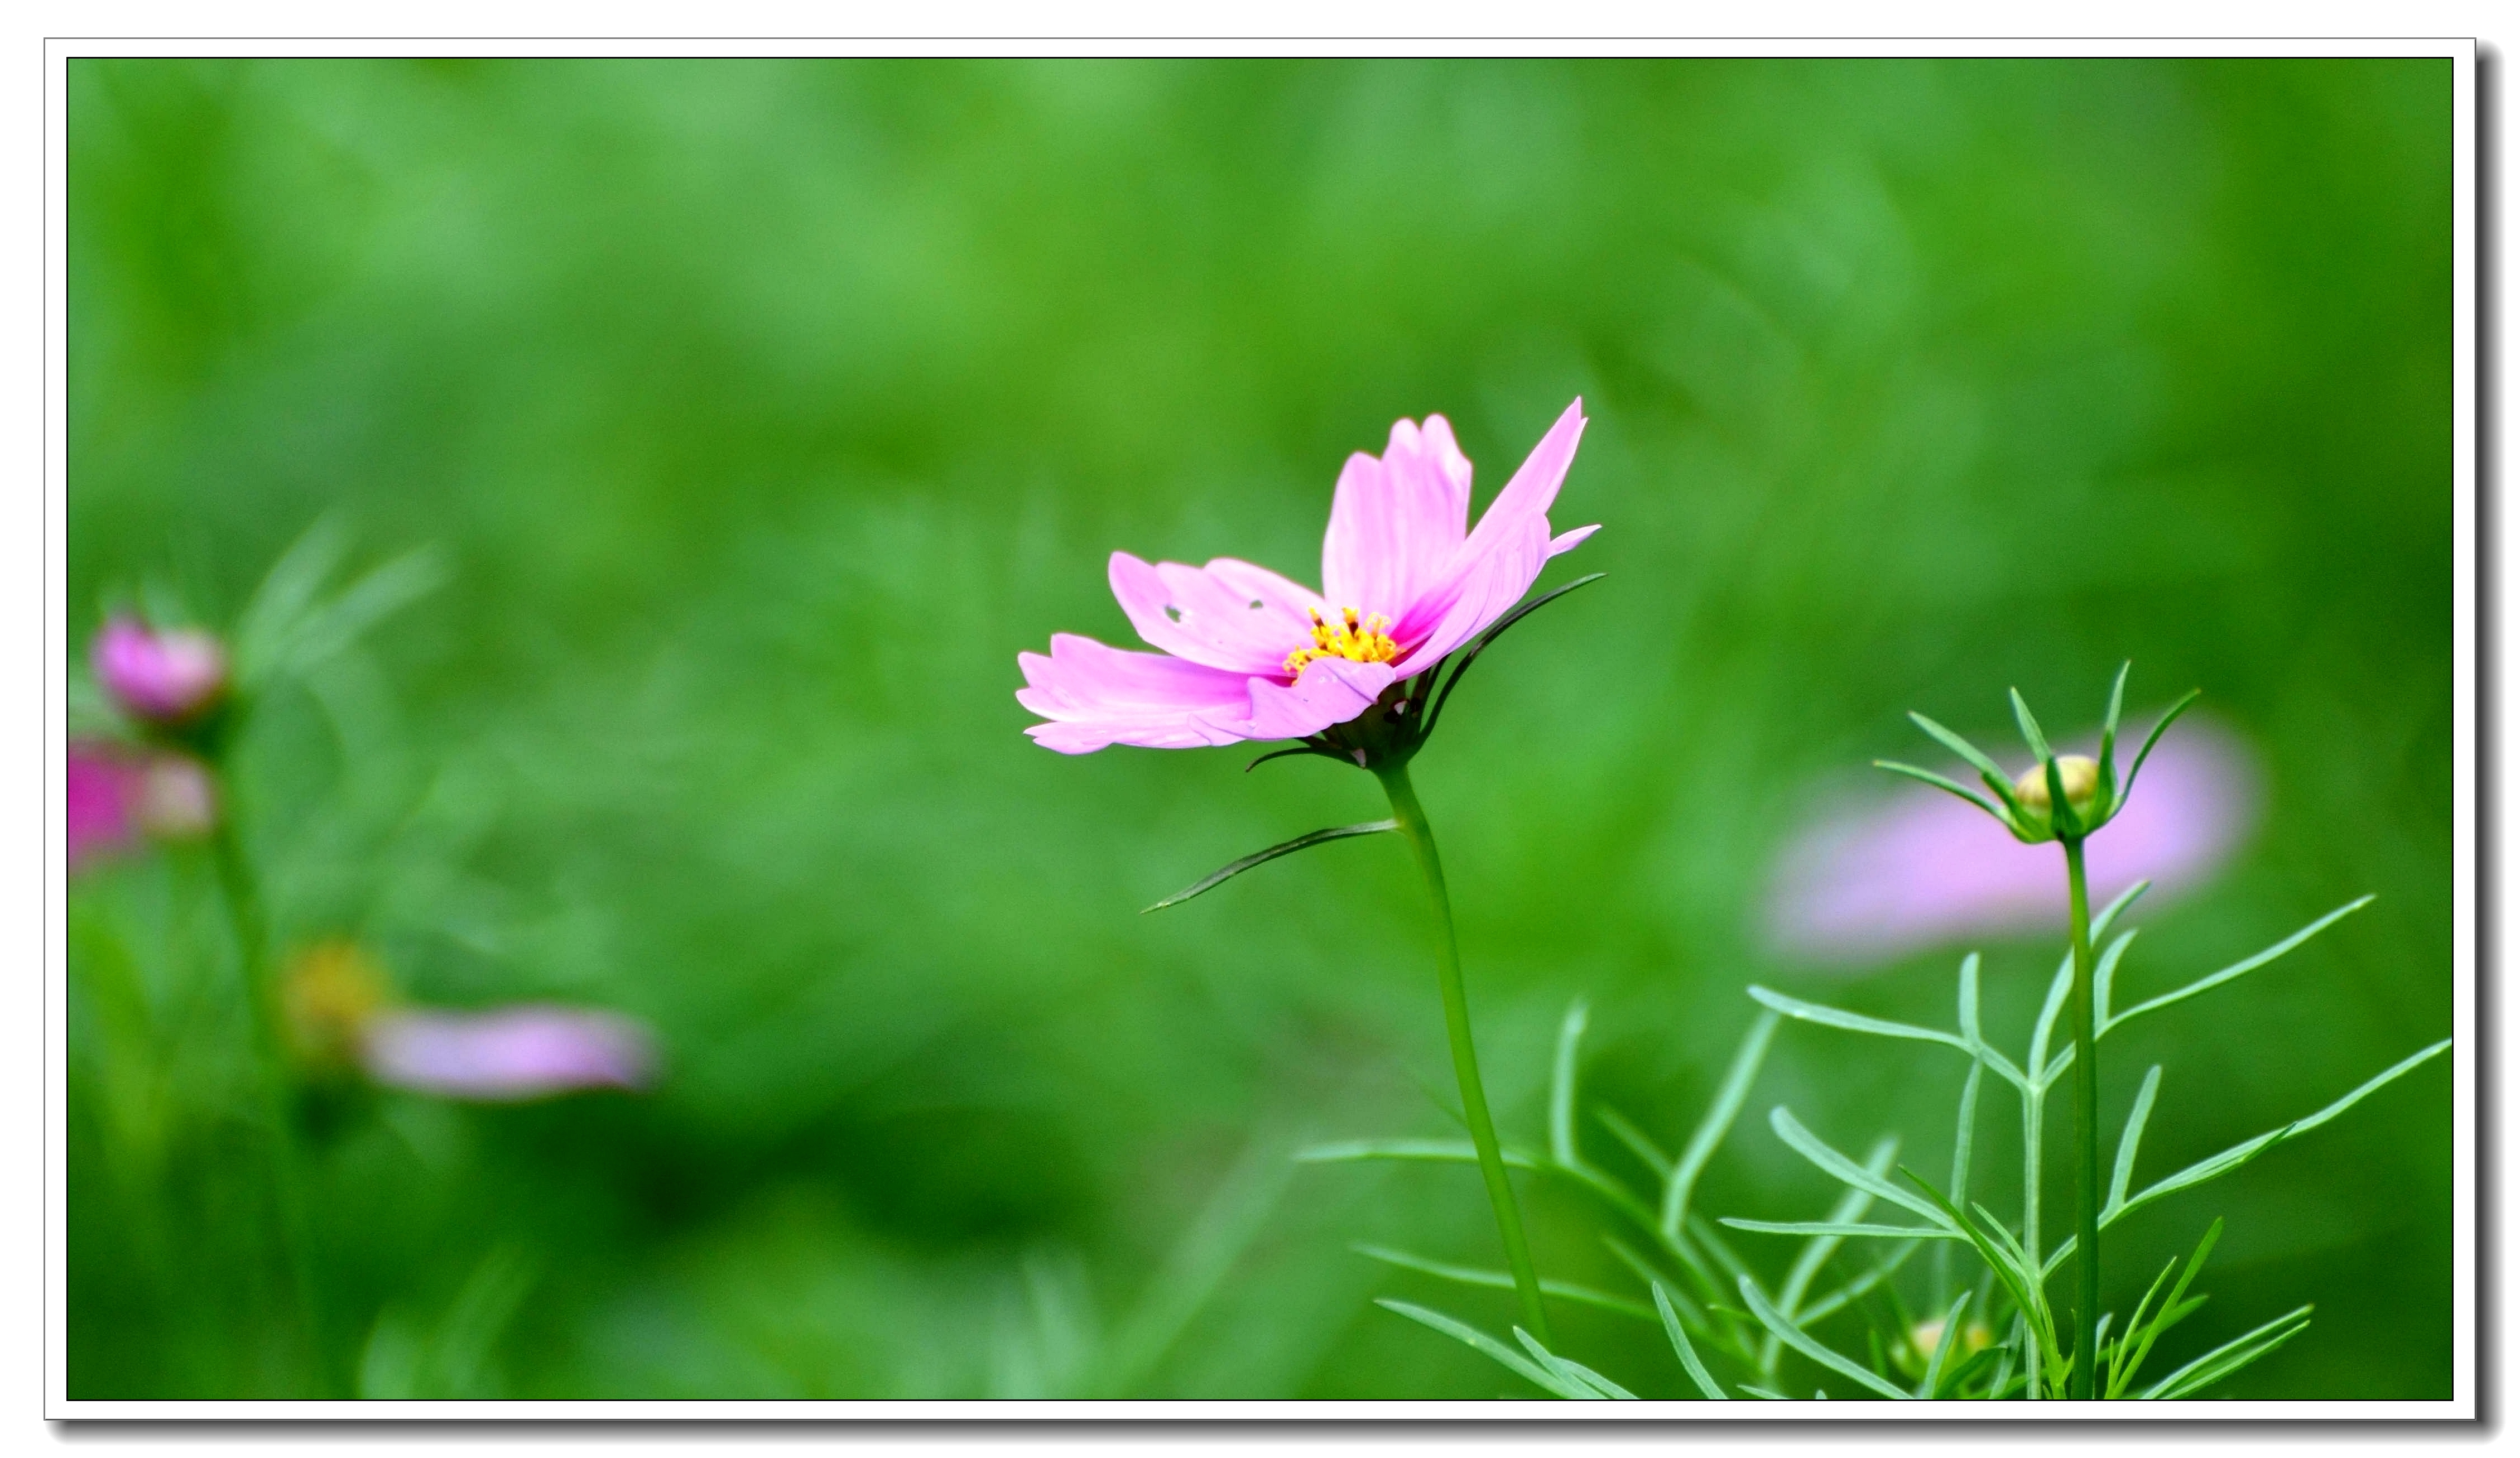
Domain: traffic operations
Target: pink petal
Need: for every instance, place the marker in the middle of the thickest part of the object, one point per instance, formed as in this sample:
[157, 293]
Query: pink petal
[1919, 868]
[510, 1054]
[161, 677]
[1329, 691]
[1501, 558]
[1095, 695]
[1195, 613]
[1396, 523]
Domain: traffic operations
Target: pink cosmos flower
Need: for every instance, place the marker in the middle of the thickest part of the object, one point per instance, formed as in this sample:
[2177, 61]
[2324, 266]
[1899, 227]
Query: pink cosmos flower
[115, 796]
[1245, 654]
[101, 790]
[163, 678]
[342, 1012]
[507, 1055]
[1921, 868]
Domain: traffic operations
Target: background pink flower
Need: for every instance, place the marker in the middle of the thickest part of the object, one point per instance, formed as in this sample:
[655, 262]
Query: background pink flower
[115, 795]
[161, 677]
[1917, 867]
[1248, 655]
[101, 792]
[508, 1054]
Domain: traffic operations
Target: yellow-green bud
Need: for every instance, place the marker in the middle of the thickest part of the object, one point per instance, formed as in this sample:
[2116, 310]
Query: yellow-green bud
[2082, 779]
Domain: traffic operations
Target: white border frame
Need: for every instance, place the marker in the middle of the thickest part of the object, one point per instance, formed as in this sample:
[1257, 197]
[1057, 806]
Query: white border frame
[2465, 642]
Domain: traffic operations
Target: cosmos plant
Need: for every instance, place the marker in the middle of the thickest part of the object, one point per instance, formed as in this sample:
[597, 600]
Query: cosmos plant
[1999, 1334]
[1359, 672]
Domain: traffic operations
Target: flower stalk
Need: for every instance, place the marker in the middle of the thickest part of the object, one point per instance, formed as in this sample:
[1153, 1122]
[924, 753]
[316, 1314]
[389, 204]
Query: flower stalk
[2081, 1383]
[262, 996]
[1466, 1059]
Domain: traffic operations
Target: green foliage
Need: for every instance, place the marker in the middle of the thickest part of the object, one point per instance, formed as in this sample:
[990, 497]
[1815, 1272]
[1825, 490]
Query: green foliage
[755, 414]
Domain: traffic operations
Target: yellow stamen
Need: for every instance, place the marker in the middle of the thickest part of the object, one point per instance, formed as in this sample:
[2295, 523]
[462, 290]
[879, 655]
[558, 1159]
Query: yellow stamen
[1359, 640]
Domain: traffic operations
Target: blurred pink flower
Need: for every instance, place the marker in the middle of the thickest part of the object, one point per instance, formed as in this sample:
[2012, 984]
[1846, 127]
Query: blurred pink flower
[117, 796]
[506, 1055]
[161, 678]
[1247, 654]
[101, 790]
[1919, 868]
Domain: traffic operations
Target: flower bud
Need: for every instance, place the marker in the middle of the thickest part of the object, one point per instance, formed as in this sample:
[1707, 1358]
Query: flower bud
[170, 679]
[2082, 779]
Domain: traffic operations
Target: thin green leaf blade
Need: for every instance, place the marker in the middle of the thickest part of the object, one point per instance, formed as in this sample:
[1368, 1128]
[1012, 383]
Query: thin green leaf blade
[1851, 1229]
[1846, 1172]
[1683, 1349]
[1434, 1151]
[1813, 1012]
[1785, 1330]
[2230, 1357]
[1561, 1085]
[2129, 1138]
[2216, 1165]
[1479, 1340]
[1470, 1275]
[1227, 873]
[2241, 968]
[1717, 1121]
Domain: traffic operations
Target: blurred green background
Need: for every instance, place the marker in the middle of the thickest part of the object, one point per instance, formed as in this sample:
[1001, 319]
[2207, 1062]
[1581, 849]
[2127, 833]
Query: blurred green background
[763, 411]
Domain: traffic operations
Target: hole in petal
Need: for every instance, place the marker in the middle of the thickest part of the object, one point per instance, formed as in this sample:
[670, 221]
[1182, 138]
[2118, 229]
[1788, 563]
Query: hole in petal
[1172, 611]
[1255, 604]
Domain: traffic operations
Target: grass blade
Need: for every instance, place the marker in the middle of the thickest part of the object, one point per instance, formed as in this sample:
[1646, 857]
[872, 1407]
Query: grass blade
[1227, 873]
[2230, 1357]
[1468, 1275]
[1846, 1172]
[1562, 1085]
[1812, 1012]
[2129, 1138]
[1785, 1330]
[1943, 1345]
[1717, 1121]
[1851, 1229]
[2109, 914]
[1574, 1374]
[2057, 987]
[1679, 1345]
[2173, 1309]
[1852, 1290]
[2240, 968]
[2104, 977]
[1638, 1144]
[2240, 1153]
[1470, 1335]
[1436, 1151]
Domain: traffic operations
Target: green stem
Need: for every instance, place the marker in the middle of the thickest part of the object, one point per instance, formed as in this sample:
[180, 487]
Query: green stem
[271, 1063]
[2086, 1139]
[1466, 1059]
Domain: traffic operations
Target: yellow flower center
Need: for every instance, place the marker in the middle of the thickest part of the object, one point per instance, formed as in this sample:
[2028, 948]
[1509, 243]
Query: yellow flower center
[1359, 640]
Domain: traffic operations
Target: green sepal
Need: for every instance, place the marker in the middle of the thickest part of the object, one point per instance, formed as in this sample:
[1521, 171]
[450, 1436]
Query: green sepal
[2154, 738]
